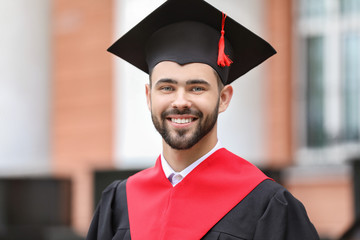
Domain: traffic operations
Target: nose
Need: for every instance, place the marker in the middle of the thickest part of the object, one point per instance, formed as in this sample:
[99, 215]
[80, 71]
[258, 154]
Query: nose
[181, 101]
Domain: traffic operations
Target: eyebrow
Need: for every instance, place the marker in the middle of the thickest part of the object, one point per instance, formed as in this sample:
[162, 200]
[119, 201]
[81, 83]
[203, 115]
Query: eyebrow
[189, 82]
[165, 80]
[197, 81]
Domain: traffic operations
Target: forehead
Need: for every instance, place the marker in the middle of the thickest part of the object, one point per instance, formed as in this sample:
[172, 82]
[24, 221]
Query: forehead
[190, 71]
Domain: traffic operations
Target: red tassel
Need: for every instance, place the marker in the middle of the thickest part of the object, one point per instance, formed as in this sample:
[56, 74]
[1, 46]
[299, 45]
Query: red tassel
[223, 59]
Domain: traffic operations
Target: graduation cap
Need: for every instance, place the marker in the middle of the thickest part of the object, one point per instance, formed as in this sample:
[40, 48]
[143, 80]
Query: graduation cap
[188, 31]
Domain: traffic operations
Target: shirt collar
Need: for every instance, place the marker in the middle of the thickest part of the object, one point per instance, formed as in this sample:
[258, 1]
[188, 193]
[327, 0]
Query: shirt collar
[168, 170]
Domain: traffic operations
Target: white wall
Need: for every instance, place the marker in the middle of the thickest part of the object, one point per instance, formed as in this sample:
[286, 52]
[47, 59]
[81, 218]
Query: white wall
[241, 128]
[24, 86]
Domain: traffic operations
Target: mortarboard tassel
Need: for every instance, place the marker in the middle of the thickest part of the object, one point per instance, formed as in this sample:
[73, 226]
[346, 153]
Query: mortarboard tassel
[223, 59]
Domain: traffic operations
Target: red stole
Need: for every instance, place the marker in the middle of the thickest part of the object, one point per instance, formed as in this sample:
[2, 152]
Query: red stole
[159, 211]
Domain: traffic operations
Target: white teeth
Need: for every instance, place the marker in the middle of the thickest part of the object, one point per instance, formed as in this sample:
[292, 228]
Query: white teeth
[181, 120]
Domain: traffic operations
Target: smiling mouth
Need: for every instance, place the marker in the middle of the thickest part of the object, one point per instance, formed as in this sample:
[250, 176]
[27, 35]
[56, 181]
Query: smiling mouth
[182, 120]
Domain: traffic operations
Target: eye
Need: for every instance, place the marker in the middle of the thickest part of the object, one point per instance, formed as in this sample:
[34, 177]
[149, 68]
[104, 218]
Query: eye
[167, 88]
[197, 89]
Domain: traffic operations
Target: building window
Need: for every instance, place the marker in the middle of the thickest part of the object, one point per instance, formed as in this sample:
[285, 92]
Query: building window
[351, 86]
[328, 33]
[315, 92]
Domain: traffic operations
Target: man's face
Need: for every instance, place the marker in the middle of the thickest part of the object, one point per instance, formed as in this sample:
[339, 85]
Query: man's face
[184, 102]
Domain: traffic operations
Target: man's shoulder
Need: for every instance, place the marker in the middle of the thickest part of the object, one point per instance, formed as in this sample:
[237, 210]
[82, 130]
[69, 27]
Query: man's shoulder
[269, 188]
[270, 191]
[112, 186]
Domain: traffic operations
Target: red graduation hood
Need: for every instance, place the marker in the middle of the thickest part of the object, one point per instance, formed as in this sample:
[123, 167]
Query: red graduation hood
[157, 210]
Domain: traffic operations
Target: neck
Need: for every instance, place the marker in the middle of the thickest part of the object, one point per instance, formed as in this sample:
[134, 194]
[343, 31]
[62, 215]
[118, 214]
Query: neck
[180, 159]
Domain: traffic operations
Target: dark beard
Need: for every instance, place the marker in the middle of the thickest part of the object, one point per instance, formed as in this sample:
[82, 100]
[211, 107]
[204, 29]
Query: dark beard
[180, 141]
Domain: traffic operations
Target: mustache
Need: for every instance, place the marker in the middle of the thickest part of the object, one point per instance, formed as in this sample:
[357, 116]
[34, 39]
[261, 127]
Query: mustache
[186, 111]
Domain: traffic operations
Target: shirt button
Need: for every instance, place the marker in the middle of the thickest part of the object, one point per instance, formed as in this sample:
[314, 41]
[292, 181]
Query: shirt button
[177, 178]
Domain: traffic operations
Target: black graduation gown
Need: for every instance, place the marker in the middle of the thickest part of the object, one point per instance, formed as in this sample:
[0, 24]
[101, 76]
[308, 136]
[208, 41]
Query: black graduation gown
[269, 212]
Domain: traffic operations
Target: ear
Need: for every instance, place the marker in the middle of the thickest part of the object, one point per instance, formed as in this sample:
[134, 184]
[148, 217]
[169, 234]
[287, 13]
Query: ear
[148, 95]
[225, 98]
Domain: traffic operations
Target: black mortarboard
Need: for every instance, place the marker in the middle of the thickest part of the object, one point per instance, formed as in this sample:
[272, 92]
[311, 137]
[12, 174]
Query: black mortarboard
[186, 31]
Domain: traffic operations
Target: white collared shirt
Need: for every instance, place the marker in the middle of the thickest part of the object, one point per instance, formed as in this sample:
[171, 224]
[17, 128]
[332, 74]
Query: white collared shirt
[176, 177]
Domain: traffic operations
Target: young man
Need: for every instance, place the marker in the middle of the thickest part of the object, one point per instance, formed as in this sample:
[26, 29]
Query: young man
[197, 189]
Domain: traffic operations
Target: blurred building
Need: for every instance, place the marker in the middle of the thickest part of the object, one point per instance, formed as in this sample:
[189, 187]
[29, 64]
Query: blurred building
[68, 108]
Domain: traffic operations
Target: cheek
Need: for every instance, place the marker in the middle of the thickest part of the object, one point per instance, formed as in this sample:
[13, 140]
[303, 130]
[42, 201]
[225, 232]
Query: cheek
[208, 104]
[159, 104]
